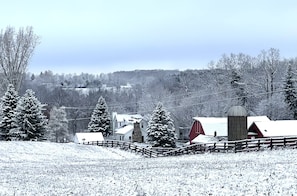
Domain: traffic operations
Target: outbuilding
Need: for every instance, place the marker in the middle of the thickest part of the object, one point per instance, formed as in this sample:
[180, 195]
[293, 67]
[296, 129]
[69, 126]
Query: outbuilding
[278, 128]
[85, 137]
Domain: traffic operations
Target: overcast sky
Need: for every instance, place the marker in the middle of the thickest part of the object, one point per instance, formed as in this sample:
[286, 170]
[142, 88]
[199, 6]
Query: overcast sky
[100, 36]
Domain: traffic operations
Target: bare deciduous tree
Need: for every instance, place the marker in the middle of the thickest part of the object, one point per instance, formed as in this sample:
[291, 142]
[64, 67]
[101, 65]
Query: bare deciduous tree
[270, 60]
[16, 49]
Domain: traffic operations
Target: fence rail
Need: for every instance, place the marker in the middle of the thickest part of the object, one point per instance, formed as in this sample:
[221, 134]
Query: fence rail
[219, 147]
[128, 146]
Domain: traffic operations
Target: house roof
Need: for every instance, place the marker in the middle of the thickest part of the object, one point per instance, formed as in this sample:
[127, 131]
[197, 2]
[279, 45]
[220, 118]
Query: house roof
[127, 117]
[88, 137]
[220, 124]
[278, 128]
[125, 129]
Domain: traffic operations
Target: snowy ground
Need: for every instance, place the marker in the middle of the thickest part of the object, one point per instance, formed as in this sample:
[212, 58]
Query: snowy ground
[33, 168]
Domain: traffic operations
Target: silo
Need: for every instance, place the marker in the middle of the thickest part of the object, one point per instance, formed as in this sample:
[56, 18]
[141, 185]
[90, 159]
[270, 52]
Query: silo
[237, 123]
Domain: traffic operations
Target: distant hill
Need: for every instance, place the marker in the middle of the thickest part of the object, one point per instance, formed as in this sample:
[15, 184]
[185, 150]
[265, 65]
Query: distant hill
[140, 76]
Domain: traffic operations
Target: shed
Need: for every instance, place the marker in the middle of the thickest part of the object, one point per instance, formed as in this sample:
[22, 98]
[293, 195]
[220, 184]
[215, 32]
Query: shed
[217, 125]
[278, 128]
[82, 137]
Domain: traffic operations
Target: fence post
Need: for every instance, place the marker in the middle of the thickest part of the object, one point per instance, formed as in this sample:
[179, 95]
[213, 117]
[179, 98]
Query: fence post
[235, 146]
[112, 143]
[271, 145]
[284, 142]
[214, 147]
[224, 146]
[246, 145]
[259, 145]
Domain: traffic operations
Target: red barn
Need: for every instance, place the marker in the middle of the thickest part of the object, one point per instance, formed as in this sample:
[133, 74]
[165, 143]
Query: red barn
[278, 128]
[208, 126]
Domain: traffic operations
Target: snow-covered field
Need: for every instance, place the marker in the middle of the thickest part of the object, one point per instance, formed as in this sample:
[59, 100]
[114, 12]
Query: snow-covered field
[34, 168]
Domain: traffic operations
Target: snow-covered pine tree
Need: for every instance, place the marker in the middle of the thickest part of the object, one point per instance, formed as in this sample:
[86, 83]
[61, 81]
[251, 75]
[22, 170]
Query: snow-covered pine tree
[29, 120]
[160, 130]
[58, 125]
[239, 88]
[9, 103]
[290, 92]
[100, 119]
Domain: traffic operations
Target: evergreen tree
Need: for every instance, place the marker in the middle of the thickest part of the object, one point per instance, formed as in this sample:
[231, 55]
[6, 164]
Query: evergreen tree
[290, 92]
[160, 130]
[9, 103]
[100, 119]
[29, 120]
[58, 125]
[239, 88]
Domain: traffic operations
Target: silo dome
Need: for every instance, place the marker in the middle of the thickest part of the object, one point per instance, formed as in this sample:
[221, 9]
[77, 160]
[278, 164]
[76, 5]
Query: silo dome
[237, 111]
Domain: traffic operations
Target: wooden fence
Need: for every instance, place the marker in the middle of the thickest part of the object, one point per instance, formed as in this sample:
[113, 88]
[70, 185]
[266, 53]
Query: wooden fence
[219, 147]
[236, 146]
[128, 146]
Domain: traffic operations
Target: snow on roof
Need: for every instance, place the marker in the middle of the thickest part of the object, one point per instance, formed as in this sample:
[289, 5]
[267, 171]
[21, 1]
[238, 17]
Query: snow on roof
[88, 137]
[212, 124]
[220, 124]
[124, 130]
[128, 117]
[278, 128]
[205, 139]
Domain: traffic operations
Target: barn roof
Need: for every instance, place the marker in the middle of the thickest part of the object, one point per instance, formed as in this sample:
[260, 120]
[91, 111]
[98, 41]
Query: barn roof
[278, 128]
[220, 124]
[125, 129]
[88, 137]
[212, 124]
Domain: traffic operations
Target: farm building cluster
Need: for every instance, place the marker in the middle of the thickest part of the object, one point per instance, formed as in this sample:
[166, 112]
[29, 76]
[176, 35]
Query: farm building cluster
[208, 129]
[237, 125]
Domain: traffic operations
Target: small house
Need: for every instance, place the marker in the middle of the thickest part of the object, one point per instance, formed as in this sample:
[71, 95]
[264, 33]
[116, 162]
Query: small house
[86, 137]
